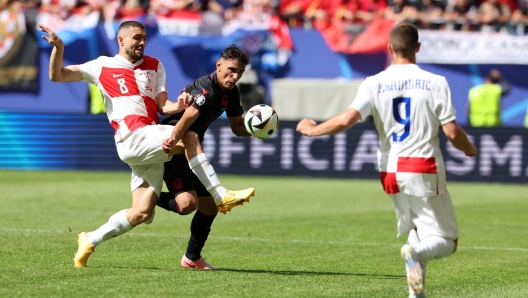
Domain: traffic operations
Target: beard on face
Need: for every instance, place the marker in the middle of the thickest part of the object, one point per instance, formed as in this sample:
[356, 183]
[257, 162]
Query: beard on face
[132, 54]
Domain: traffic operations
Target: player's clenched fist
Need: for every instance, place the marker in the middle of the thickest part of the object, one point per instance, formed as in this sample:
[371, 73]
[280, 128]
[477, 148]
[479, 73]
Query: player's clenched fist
[305, 126]
[168, 144]
[185, 100]
[52, 38]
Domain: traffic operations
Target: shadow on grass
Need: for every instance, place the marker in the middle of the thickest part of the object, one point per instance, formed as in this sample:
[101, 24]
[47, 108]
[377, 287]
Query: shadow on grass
[259, 271]
[286, 272]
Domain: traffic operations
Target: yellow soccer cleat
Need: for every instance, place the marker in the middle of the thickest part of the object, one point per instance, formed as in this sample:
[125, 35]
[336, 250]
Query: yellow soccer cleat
[83, 252]
[234, 198]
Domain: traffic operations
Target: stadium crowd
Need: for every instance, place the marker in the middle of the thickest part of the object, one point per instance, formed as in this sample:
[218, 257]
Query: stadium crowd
[507, 16]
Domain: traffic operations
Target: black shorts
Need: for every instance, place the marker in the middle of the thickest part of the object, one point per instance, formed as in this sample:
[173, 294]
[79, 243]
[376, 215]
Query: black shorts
[180, 178]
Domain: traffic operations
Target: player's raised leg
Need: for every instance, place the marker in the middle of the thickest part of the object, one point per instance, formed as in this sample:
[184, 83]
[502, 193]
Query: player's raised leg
[225, 199]
[143, 203]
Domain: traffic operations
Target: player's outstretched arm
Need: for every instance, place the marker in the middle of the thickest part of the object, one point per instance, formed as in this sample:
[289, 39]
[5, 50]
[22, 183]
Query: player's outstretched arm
[57, 71]
[167, 107]
[189, 116]
[238, 127]
[458, 137]
[334, 125]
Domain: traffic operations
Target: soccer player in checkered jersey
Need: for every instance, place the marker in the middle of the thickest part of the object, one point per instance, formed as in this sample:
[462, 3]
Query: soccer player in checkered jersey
[409, 105]
[134, 90]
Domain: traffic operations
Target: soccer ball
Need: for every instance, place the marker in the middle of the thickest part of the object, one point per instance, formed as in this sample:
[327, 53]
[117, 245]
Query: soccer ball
[261, 121]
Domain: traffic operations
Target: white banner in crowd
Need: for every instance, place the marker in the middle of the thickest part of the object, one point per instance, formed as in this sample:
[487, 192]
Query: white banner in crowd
[448, 47]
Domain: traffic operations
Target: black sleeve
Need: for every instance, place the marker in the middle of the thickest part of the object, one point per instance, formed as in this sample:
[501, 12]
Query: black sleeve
[234, 107]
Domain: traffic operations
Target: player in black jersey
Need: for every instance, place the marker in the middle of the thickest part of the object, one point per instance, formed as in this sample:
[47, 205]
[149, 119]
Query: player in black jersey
[189, 177]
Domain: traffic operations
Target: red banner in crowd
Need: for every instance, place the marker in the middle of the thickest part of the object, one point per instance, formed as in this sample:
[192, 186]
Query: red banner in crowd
[359, 39]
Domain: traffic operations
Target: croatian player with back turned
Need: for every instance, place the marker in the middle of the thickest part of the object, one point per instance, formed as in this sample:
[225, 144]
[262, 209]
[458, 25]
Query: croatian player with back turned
[409, 105]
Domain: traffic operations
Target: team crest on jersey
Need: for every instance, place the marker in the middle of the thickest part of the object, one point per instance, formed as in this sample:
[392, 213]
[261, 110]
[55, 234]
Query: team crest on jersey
[199, 99]
[149, 76]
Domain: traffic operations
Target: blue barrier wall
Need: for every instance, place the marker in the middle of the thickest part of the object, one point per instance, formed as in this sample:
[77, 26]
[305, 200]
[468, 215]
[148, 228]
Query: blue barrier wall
[60, 141]
[311, 58]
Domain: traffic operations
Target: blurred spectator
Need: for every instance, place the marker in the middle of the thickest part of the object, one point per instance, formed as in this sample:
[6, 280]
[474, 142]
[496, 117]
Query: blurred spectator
[460, 15]
[485, 100]
[355, 14]
[85, 7]
[174, 7]
[224, 9]
[400, 10]
[492, 15]
[132, 9]
[294, 12]
[26, 4]
[428, 14]
[54, 13]
[519, 19]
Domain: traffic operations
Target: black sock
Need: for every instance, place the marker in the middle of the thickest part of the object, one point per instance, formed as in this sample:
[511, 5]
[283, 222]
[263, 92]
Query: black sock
[167, 202]
[200, 228]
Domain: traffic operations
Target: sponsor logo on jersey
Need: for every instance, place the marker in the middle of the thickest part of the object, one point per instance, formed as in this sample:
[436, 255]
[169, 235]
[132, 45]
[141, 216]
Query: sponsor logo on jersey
[199, 99]
[115, 75]
[148, 88]
[204, 92]
[224, 100]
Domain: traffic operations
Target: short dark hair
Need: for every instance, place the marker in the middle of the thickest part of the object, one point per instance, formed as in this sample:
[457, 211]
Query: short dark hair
[233, 52]
[404, 38]
[130, 24]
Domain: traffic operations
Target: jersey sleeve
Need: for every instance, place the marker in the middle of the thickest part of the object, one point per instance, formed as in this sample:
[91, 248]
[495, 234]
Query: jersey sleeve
[91, 71]
[200, 100]
[161, 84]
[444, 108]
[234, 107]
[362, 102]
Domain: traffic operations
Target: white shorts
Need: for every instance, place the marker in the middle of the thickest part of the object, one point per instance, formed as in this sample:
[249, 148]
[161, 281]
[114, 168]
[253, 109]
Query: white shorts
[143, 153]
[432, 216]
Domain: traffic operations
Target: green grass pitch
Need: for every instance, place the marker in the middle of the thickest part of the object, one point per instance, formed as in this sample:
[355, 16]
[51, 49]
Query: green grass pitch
[298, 237]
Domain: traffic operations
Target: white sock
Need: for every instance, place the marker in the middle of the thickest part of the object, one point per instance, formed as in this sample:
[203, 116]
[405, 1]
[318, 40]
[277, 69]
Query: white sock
[434, 248]
[117, 224]
[205, 172]
[413, 238]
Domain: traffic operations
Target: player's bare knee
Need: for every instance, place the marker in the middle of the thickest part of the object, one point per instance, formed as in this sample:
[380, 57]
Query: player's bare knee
[187, 202]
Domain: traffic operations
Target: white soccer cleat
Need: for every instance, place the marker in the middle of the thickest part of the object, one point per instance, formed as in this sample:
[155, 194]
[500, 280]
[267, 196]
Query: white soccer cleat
[414, 268]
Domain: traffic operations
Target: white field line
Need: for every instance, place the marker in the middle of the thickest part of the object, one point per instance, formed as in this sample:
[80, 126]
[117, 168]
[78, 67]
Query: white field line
[20, 230]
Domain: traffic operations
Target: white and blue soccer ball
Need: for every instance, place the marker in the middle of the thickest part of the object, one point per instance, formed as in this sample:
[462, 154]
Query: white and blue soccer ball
[261, 121]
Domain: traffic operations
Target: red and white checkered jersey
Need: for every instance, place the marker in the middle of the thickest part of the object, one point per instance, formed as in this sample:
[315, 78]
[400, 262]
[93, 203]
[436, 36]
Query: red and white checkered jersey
[129, 90]
[408, 105]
